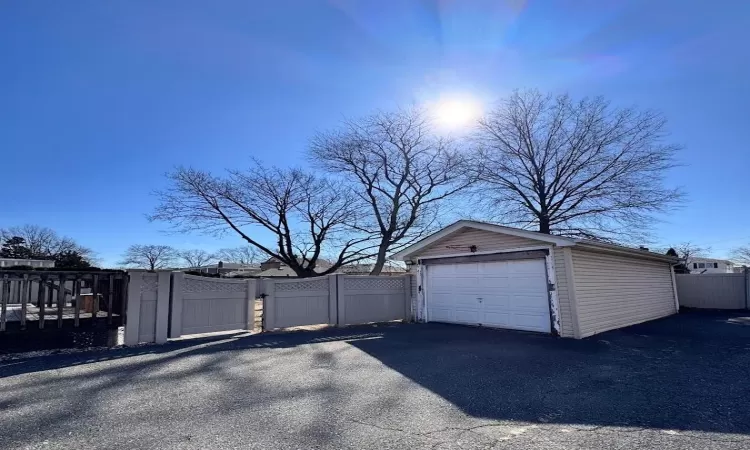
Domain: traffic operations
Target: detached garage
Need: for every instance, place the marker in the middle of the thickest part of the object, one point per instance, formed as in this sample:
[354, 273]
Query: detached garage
[482, 274]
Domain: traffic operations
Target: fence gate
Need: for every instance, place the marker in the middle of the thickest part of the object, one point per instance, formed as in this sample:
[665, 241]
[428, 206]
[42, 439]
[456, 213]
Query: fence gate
[292, 303]
[204, 305]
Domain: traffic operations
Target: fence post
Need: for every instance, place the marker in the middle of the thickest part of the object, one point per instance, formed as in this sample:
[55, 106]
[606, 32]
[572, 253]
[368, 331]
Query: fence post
[341, 299]
[175, 315]
[250, 304]
[269, 313]
[407, 297]
[333, 300]
[747, 287]
[162, 307]
[133, 317]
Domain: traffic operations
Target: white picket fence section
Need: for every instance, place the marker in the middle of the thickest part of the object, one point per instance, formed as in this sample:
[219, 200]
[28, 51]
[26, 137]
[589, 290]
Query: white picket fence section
[165, 304]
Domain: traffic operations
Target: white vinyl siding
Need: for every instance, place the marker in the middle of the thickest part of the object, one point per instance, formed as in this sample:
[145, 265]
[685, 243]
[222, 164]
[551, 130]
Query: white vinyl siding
[615, 291]
[485, 241]
[561, 278]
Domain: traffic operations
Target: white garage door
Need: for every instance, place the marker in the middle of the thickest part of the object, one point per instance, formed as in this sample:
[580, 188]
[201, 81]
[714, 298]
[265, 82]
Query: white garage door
[504, 294]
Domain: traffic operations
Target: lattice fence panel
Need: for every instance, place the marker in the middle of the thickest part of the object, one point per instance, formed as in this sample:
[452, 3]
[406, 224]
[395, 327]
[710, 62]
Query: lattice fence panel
[192, 285]
[306, 285]
[374, 284]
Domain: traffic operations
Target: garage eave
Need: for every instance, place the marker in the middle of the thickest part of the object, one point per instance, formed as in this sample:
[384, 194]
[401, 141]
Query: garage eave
[625, 251]
[415, 248]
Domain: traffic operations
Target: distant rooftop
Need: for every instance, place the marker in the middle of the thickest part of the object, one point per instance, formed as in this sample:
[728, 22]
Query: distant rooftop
[10, 262]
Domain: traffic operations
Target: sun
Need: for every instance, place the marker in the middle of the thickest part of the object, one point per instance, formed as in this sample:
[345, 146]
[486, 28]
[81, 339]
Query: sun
[457, 113]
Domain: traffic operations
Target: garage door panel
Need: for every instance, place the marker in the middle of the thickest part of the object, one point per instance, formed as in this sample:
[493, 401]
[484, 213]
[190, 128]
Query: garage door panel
[496, 302]
[535, 302]
[496, 319]
[524, 267]
[531, 322]
[467, 316]
[507, 294]
[453, 315]
[443, 299]
[491, 282]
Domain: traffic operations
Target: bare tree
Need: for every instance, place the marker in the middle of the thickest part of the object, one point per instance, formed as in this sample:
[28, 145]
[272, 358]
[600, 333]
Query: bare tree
[240, 255]
[688, 250]
[576, 168]
[151, 257]
[307, 215]
[400, 169]
[44, 242]
[741, 255]
[196, 257]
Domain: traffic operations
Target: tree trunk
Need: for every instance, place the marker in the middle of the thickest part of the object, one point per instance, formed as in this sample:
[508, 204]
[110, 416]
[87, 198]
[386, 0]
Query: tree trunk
[306, 273]
[544, 224]
[380, 260]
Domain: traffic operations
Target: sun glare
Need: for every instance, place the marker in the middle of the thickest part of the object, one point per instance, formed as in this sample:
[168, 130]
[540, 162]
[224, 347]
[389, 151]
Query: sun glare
[457, 113]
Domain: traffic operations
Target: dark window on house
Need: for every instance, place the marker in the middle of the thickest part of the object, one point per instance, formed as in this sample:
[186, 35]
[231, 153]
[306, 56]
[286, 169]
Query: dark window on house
[695, 265]
[716, 265]
[701, 265]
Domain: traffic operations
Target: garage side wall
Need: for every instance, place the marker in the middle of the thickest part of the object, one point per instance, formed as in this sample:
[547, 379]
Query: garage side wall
[563, 297]
[617, 291]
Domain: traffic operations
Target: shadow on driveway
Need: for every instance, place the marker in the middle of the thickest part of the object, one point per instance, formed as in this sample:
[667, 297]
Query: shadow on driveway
[686, 372]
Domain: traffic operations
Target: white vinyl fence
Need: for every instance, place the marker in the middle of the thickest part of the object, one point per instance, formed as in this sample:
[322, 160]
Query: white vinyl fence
[335, 300]
[171, 304]
[204, 305]
[147, 317]
[292, 303]
[714, 291]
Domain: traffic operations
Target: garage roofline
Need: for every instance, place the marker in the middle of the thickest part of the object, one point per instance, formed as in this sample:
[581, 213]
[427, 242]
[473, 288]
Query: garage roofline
[414, 248]
[559, 241]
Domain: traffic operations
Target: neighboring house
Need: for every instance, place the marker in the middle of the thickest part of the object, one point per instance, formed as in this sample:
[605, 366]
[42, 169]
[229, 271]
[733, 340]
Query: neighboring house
[477, 273]
[739, 269]
[225, 269]
[282, 270]
[273, 268]
[276, 270]
[40, 263]
[365, 269]
[250, 270]
[709, 265]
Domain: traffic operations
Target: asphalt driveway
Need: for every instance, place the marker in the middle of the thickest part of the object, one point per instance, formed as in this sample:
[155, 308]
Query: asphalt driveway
[681, 382]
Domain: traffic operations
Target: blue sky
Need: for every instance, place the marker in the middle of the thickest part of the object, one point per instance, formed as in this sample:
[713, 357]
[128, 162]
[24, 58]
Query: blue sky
[99, 99]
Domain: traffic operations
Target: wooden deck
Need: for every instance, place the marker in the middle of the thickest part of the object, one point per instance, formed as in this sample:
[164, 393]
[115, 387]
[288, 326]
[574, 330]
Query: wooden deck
[50, 314]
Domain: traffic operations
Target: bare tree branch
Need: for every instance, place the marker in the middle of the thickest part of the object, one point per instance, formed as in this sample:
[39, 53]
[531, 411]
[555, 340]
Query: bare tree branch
[240, 255]
[45, 243]
[306, 214]
[574, 168]
[196, 257]
[399, 169]
[741, 255]
[151, 257]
